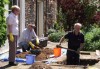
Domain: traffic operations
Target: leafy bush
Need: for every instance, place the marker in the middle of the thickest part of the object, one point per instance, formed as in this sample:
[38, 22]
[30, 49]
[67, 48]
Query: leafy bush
[92, 38]
[51, 31]
[2, 22]
[56, 36]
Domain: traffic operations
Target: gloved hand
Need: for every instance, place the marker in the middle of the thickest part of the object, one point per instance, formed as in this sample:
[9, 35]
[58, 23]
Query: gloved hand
[11, 37]
[31, 44]
[37, 41]
[36, 47]
[58, 46]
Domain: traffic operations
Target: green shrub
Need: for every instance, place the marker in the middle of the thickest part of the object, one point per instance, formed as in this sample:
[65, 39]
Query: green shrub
[2, 22]
[92, 39]
[51, 31]
[56, 36]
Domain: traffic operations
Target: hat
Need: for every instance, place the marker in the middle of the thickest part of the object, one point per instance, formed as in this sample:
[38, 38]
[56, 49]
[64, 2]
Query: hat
[32, 25]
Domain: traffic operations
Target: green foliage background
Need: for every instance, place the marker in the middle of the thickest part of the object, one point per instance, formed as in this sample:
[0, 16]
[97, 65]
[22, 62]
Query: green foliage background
[56, 33]
[92, 38]
[2, 22]
[56, 36]
[83, 12]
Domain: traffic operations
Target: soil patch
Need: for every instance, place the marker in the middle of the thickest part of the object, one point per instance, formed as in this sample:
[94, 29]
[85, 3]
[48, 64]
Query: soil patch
[44, 54]
[40, 65]
[41, 56]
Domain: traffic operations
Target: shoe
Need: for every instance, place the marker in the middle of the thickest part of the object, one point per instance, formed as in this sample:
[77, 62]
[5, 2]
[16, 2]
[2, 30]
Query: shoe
[12, 64]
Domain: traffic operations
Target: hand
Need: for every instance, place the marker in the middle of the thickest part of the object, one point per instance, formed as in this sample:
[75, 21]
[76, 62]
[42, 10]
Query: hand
[37, 41]
[31, 44]
[58, 46]
[37, 47]
[78, 51]
[11, 37]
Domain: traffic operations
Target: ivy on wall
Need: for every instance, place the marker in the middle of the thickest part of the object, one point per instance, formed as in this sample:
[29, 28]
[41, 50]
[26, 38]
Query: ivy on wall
[2, 22]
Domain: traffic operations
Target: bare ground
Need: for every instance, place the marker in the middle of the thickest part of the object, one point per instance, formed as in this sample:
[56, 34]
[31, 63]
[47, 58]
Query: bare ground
[4, 65]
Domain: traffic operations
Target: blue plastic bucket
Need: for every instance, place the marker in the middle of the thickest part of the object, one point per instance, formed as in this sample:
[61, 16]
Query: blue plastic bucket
[30, 59]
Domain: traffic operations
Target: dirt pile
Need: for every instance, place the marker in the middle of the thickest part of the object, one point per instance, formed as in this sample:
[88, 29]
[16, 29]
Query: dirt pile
[44, 54]
[40, 65]
[47, 51]
[41, 56]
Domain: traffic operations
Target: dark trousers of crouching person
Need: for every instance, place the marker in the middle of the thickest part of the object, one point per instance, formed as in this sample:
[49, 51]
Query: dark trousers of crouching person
[72, 58]
[25, 45]
[12, 49]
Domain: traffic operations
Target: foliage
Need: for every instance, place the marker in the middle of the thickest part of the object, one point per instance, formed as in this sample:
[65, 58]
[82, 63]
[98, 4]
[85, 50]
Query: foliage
[73, 11]
[2, 22]
[92, 38]
[56, 36]
[51, 31]
[62, 20]
[56, 33]
[58, 27]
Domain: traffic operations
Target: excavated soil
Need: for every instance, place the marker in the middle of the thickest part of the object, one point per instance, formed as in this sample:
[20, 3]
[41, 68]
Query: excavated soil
[40, 65]
[44, 54]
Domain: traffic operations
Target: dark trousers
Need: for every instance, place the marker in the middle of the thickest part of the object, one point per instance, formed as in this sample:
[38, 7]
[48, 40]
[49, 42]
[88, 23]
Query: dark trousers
[72, 58]
[24, 50]
[25, 45]
[12, 48]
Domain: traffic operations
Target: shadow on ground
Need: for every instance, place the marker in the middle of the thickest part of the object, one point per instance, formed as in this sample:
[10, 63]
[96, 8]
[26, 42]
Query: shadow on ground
[88, 62]
[4, 67]
[83, 62]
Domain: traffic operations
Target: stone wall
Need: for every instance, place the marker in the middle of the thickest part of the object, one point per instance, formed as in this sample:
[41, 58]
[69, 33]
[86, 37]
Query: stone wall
[29, 11]
[50, 11]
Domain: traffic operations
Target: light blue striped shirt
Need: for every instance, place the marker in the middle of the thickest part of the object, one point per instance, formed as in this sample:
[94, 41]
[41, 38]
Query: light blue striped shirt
[27, 35]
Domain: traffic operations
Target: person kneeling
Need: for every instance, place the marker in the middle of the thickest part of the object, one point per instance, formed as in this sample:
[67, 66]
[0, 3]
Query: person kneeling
[28, 39]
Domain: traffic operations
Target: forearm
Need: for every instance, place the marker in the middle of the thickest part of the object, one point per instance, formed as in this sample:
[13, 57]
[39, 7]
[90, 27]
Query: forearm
[61, 40]
[10, 28]
[81, 46]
